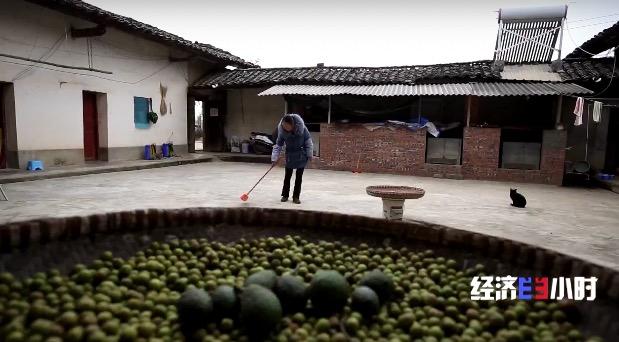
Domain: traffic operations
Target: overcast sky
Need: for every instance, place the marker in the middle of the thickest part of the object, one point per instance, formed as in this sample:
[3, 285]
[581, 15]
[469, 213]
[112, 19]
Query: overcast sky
[291, 33]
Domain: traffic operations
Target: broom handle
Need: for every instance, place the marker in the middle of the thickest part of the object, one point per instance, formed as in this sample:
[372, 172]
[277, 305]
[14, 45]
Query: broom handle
[265, 174]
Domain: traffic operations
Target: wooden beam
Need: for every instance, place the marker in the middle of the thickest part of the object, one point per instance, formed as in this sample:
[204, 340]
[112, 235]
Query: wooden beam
[468, 111]
[329, 113]
[559, 110]
[96, 31]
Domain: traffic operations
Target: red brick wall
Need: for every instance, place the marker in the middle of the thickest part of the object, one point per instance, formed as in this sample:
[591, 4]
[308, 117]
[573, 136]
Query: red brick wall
[348, 147]
[481, 149]
[480, 152]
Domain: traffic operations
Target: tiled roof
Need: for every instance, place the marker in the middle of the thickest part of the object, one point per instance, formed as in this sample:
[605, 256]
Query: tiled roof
[97, 15]
[588, 69]
[437, 73]
[601, 42]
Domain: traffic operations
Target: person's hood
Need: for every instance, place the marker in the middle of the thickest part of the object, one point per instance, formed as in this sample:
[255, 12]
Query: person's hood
[299, 125]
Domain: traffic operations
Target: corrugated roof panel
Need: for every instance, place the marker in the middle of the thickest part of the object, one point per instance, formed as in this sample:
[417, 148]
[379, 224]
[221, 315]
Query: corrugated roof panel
[448, 89]
[527, 89]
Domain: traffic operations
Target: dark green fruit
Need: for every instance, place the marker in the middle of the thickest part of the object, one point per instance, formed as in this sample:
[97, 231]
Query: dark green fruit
[328, 291]
[365, 301]
[261, 311]
[195, 308]
[292, 293]
[266, 278]
[224, 301]
[381, 283]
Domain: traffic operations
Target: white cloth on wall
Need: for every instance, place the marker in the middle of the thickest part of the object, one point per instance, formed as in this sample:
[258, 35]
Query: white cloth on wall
[597, 111]
[580, 103]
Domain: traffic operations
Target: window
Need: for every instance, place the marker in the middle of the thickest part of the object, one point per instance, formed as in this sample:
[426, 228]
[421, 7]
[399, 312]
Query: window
[521, 149]
[141, 107]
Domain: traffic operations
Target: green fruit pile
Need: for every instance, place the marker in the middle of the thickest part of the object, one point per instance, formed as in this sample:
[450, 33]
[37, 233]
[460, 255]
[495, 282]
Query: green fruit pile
[280, 289]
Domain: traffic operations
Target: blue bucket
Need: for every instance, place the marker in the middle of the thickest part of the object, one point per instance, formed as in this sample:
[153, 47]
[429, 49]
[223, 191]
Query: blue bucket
[165, 149]
[147, 152]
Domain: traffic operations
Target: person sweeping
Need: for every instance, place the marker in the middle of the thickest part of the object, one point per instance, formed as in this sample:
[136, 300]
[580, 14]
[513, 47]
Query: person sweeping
[293, 133]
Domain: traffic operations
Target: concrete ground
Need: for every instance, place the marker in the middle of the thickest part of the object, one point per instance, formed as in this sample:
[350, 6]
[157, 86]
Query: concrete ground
[581, 222]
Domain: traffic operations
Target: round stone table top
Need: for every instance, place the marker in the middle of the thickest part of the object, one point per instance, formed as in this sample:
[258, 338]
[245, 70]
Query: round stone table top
[395, 192]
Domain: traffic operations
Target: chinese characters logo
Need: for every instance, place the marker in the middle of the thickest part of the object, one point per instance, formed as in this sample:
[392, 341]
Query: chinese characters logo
[532, 288]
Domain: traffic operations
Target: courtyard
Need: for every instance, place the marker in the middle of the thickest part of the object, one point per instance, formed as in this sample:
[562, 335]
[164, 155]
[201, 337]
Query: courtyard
[576, 221]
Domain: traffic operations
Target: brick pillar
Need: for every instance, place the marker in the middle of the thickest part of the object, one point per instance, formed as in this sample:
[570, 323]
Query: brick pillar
[553, 156]
[480, 155]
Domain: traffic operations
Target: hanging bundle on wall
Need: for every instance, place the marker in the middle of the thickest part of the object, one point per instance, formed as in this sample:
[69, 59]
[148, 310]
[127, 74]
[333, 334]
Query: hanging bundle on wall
[152, 116]
[162, 107]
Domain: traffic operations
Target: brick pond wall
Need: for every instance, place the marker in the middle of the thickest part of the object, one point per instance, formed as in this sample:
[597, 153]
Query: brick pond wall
[349, 147]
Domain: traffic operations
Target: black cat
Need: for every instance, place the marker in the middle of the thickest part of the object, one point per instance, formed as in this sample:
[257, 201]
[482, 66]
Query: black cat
[518, 199]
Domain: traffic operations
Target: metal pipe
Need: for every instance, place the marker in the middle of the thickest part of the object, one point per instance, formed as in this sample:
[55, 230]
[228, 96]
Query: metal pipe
[561, 37]
[55, 64]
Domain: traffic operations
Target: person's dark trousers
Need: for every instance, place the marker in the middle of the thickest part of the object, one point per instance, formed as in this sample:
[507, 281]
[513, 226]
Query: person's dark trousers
[297, 183]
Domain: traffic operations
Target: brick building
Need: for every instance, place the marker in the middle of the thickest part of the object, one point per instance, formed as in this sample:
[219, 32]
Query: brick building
[493, 121]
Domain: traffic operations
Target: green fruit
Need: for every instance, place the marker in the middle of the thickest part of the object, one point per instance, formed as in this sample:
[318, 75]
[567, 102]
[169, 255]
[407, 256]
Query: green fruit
[261, 311]
[194, 307]
[76, 334]
[111, 327]
[68, 319]
[146, 329]
[405, 321]
[352, 325]
[365, 301]
[227, 324]
[224, 301]
[381, 283]
[495, 320]
[292, 293]
[46, 327]
[16, 336]
[328, 291]
[266, 278]
[155, 266]
[96, 336]
[128, 333]
[416, 330]
[322, 325]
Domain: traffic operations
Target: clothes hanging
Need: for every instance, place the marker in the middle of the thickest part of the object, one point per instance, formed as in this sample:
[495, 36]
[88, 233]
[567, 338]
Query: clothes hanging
[597, 111]
[580, 102]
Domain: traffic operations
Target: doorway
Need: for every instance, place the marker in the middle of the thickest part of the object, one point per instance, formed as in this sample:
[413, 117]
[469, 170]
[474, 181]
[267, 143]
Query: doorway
[91, 127]
[8, 132]
[2, 132]
[199, 125]
[214, 113]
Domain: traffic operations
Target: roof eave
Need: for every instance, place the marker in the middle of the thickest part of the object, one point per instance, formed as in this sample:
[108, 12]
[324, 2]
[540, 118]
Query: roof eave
[100, 19]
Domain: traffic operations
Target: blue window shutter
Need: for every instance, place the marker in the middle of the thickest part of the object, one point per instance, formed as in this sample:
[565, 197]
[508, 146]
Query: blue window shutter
[140, 112]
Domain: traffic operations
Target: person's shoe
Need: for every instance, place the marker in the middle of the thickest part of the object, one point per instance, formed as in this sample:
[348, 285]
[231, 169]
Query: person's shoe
[284, 199]
[296, 201]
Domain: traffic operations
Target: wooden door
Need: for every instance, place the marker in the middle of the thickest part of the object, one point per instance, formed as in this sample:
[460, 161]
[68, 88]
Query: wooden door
[2, 132]
[214, 138]
[91, 130]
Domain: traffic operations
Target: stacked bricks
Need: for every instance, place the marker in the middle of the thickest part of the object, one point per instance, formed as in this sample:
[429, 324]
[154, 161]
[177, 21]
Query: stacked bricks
[352, 147]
